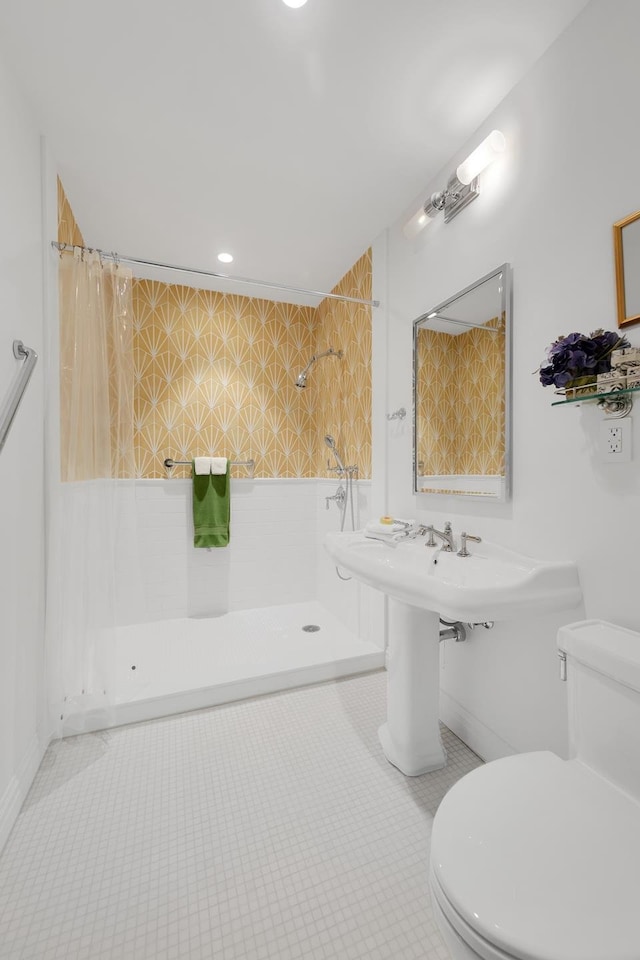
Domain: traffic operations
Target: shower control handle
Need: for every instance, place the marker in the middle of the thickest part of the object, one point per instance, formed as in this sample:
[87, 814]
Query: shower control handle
[339, 496]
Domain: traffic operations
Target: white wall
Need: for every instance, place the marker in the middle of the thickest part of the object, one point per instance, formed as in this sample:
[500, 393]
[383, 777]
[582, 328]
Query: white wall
[21, 461]
[275, 555]
[358, 607]
[547, 207]
[270, 559]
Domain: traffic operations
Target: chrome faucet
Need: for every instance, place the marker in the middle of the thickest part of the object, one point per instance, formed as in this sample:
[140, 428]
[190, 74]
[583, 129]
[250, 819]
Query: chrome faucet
[463, 552]
[445, 535]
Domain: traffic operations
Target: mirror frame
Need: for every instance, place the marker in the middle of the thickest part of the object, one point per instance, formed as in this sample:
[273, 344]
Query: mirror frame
[623, 319]
[507, 309]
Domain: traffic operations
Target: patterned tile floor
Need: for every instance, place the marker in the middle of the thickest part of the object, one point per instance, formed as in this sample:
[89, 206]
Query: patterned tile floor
[270, 828]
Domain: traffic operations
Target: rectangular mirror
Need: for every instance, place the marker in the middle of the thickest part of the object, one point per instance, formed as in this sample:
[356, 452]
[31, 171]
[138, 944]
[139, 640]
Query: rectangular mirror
[462, 391]
[626, 245]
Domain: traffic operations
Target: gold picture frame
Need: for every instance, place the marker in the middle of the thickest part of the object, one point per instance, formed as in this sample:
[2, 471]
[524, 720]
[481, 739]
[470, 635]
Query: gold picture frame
[627, 255]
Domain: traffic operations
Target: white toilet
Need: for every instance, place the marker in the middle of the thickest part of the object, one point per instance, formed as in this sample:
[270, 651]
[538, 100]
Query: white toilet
[538, 858]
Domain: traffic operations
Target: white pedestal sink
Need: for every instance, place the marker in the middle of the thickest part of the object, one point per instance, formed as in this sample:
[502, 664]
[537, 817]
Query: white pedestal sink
[425, 583]
[411, 736]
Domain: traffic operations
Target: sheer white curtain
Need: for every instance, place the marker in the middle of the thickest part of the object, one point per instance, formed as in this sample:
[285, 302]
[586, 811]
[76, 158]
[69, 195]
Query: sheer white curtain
[90, 487]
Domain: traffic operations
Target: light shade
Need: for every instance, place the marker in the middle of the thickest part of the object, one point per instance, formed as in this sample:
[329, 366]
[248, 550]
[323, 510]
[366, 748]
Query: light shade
[481, 157]
[413, 227]
[462, 186]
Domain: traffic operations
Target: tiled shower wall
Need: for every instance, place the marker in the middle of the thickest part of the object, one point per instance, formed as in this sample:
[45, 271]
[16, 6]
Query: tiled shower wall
[232, 363]
[215, 375]
[270, 558]
[275, 556]
[343, 387]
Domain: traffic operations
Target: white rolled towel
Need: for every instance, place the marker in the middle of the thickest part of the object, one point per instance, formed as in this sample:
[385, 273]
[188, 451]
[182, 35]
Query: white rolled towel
[214, 465]
[218, 465]
[202, 465]
[385, 537]
[383, 529]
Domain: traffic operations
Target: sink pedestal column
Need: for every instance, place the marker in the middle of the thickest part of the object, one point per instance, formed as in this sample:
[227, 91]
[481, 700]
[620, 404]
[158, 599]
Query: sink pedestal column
[411, 736]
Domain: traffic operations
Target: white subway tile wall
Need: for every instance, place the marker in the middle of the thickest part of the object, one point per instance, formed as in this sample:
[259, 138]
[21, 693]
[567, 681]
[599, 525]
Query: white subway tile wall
[358, 607]
[275, 555]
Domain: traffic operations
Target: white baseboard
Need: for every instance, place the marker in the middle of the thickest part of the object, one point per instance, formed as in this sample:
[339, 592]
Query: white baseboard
[478, 737]
[14, 795]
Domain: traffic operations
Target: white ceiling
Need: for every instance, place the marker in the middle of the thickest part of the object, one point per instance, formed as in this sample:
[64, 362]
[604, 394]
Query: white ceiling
[289, 137]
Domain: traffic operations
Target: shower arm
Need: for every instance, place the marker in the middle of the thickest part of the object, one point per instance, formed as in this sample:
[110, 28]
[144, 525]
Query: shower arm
[301, 379]
[318, 356]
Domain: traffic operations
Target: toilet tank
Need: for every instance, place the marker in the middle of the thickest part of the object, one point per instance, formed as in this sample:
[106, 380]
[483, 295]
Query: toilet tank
[603, 676]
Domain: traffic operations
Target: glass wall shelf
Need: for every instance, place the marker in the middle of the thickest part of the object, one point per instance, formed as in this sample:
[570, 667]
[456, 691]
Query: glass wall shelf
[619, 401]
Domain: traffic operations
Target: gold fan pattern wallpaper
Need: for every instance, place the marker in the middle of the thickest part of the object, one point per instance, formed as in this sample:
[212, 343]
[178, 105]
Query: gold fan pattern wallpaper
[215, 376]
[460, 402]
[342, 388]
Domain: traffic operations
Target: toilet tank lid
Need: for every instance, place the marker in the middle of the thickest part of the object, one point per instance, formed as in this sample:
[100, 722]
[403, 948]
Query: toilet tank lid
[609, 649]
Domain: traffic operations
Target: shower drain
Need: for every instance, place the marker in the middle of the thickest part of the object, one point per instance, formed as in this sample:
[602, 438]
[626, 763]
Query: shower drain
[311, 628]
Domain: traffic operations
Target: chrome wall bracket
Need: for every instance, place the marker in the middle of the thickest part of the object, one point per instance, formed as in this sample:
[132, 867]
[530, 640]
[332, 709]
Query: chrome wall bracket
[9, 406]
[617, 405]
[457, 196]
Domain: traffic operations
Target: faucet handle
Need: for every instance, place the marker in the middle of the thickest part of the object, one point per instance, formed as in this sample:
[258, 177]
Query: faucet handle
[431, 539]
[464, 537]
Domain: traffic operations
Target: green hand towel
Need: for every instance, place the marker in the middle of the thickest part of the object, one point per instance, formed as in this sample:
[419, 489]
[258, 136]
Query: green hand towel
[211, 508]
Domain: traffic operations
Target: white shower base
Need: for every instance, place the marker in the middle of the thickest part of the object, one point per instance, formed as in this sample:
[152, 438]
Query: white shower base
[172, 666]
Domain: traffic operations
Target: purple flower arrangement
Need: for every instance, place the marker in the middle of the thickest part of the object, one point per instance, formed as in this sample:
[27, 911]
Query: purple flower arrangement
[577, 355]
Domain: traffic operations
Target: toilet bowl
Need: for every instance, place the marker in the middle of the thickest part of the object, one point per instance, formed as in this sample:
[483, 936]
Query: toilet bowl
[538, 858]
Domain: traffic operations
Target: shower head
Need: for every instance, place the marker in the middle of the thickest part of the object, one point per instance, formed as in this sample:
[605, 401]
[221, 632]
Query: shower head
[330, 442]
[301, 379]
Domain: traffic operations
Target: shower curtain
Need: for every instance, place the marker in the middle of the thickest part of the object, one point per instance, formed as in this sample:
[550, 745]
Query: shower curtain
[90, 483]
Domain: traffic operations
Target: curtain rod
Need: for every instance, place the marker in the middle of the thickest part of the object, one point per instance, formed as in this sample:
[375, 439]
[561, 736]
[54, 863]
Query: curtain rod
[118, 258]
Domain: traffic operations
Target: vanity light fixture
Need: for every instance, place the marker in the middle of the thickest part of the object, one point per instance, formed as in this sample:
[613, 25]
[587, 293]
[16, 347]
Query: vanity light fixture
[462, 188]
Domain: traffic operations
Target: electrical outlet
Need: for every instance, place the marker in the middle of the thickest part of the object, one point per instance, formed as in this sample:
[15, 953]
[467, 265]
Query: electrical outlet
[615, 441]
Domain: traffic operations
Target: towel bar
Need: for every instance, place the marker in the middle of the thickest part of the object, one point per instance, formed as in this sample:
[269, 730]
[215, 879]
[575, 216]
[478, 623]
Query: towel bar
[169, 464]
[16, 390]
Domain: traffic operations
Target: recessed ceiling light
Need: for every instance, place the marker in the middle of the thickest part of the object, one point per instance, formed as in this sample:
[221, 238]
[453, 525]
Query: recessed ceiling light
[295, 3]
[225, 257]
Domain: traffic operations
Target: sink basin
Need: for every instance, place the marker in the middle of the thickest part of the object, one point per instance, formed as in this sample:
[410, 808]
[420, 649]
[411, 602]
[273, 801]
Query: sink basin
[493, 583]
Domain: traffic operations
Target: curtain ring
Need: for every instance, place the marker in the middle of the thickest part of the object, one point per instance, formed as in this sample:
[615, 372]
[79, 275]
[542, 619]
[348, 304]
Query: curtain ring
[116, 259]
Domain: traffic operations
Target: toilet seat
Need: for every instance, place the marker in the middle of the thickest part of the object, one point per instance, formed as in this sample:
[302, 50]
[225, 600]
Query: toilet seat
[536, 858]
[452, 924]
